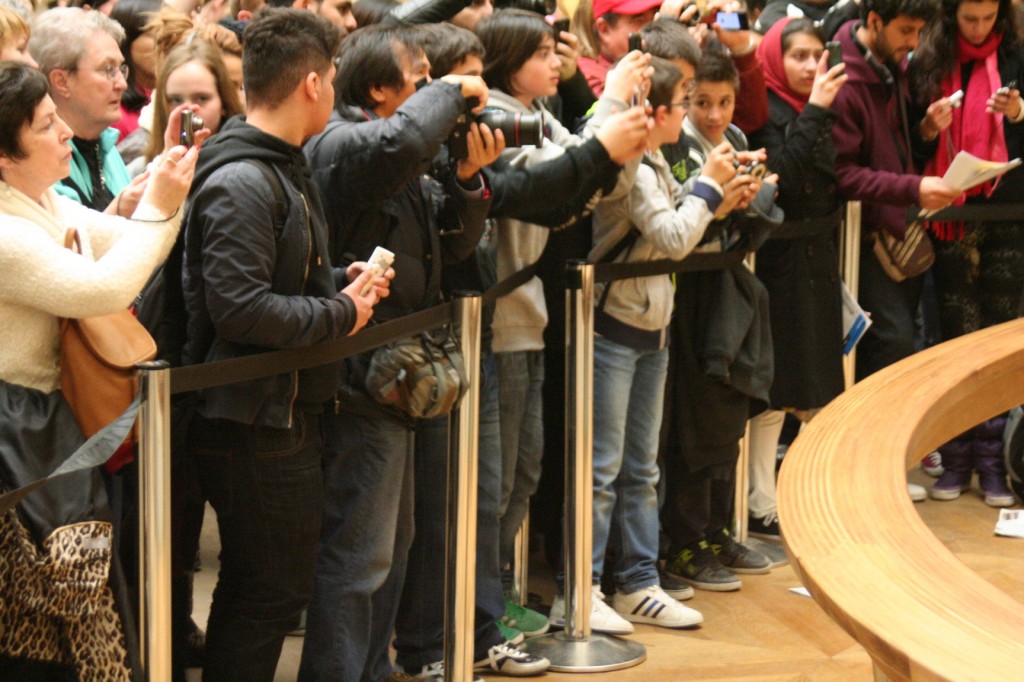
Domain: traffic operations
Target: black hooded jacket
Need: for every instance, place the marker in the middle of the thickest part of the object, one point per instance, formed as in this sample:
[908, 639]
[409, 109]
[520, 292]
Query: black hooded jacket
[254, 282]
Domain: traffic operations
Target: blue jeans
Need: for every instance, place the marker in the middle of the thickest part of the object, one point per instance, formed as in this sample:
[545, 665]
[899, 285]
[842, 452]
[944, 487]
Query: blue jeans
[360, 564]
[419, 630]
[266, 486]
[629, 389]
[520, 391]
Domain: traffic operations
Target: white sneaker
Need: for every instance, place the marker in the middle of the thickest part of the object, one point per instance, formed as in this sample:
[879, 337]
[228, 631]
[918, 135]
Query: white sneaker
[602, 617]
[932, 464]
[651, 605]
[917, 492]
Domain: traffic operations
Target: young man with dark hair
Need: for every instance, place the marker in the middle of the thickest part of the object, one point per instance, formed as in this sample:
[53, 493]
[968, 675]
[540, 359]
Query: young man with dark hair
[373, 161]
[257, 277]
[874, 164]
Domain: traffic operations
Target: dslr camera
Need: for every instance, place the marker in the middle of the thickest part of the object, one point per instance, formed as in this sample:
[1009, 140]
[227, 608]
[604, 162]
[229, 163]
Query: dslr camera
[519, 129]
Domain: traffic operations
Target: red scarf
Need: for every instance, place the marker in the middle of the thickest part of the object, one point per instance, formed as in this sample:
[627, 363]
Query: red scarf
[983, 136]
[769, 51]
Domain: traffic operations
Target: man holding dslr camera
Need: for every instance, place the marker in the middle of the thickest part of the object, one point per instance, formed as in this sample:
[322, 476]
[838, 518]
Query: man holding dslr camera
[371, 164]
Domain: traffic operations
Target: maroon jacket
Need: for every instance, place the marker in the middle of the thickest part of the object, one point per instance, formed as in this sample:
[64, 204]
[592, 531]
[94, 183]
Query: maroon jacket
[868, 163]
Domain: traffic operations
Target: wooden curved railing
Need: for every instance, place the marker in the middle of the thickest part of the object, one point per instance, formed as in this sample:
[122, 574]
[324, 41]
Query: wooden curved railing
[852, 533]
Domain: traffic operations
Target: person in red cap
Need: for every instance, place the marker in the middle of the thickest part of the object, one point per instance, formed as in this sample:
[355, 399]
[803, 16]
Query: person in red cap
[614, 20]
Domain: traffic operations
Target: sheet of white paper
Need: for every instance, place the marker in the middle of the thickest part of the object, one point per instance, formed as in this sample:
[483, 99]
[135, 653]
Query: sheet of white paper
[1010, 523]
[802, 591]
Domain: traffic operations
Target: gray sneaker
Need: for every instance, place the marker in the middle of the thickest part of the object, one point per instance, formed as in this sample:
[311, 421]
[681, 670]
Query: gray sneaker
[674, 587]
[737, 557]
[699, 566]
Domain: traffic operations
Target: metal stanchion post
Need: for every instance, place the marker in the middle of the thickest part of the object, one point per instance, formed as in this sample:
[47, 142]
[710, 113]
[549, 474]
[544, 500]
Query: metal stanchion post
[155, 521]
[460, 545]
[850, 266]
[521, 570]
[576, 649]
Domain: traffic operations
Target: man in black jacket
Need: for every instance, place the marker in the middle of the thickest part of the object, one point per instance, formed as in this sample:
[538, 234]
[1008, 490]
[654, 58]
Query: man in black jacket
[257, 276]
[372, 162]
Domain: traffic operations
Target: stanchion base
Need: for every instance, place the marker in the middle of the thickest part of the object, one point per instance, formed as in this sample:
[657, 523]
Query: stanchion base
[598, 653]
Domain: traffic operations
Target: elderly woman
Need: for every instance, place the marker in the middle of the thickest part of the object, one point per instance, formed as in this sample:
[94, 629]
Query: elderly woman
[41, 282]
[14, 37]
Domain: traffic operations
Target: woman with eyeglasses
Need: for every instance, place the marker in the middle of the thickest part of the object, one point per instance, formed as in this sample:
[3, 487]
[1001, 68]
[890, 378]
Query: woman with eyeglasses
[973, 48]
[800, 265]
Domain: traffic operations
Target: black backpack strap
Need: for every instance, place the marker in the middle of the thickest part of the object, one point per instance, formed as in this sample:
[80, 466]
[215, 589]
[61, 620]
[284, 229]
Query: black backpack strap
[280, 198]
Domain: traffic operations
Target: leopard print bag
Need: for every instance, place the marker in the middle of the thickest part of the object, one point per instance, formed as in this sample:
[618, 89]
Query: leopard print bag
[56, 604]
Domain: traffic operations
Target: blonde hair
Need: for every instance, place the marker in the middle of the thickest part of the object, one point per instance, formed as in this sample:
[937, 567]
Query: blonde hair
[12, 25]
[170, 28]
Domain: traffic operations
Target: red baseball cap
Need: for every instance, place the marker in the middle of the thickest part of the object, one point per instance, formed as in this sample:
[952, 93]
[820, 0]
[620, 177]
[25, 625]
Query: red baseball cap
[625, 7]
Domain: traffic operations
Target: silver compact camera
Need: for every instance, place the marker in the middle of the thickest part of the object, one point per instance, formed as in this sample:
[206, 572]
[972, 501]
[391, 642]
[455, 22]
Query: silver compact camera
[190, 123]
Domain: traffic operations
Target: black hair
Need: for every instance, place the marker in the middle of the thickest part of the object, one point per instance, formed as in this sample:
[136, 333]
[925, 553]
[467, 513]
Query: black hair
[716, 67]
[369, 12]
[372, 57]
[936, 56]
[133, 15]
[22, 88]
[282, 46]
[663, 82]
[447, 45]
[890, 9]
[670, 40]
[511, 37]
[801, 26]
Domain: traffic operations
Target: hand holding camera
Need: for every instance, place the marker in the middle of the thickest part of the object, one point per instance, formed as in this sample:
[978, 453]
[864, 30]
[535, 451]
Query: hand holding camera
[516, 129]
[1006, 100]
[632, 71]
[473, 88]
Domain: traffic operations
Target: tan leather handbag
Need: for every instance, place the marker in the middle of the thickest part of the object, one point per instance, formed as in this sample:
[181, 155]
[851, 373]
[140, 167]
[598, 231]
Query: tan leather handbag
[97, 360]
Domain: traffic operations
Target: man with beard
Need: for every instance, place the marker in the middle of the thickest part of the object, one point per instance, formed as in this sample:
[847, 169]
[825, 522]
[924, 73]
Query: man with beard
[874, 164]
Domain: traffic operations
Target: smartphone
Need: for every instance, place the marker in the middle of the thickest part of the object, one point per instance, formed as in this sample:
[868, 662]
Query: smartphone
[732, 21]
[636, 42]
[560, 25]
[1005, 90]
[835, 53]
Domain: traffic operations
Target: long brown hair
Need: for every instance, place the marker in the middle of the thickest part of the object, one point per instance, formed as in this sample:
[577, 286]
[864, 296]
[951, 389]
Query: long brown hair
[936, 56]
[207, 54]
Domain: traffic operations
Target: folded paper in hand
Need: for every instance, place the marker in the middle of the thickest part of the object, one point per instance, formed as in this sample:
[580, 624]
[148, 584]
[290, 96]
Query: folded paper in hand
[969, 171]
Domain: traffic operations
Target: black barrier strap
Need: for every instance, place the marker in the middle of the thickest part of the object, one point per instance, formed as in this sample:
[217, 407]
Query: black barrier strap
[510, 283]
[973, 212]
[797, 229]
[608, 272]
[195, 377]
[208, 375]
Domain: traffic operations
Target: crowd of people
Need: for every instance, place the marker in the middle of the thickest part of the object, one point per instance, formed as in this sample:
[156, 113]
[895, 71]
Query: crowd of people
[325, 129]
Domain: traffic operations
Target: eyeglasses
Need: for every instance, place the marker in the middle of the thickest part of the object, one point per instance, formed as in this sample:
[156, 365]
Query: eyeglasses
[111, 71]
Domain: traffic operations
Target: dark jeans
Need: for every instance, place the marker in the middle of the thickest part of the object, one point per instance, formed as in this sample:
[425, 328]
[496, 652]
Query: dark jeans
[266, 486]
[893, 307]
[419, 630]
[698, 503]
[360, 564]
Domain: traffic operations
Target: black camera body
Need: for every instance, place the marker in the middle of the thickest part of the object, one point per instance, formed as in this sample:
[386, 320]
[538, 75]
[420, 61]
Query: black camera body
[519, 129]
[542, 7]
[190, 123]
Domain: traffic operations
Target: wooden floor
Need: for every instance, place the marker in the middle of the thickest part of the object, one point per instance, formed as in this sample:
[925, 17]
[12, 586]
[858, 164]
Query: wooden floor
[762, 633]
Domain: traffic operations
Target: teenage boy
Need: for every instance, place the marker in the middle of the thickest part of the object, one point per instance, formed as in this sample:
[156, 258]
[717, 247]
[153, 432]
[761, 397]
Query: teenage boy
[644, 218]
[699, 494]
[255, 279]
[875, 166]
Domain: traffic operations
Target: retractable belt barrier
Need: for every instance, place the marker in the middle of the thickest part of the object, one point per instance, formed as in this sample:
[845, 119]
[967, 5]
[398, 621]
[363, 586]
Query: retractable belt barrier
[159, 383]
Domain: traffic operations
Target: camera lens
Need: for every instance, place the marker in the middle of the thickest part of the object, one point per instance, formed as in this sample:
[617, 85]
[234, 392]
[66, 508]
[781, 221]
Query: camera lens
[519, 129]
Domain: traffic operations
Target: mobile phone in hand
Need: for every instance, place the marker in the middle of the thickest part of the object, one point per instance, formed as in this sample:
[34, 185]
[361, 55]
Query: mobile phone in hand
[835, 53]
[560, 25]
[733, 21]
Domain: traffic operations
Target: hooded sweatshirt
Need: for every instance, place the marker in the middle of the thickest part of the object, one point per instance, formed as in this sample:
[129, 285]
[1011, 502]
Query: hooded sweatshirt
[873, 163]
[252, 285]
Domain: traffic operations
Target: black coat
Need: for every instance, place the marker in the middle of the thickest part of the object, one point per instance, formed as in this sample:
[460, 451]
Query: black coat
[802, 273]
[251, 285]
